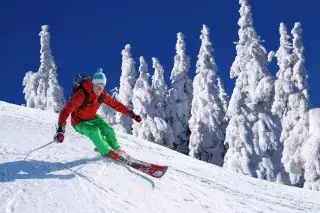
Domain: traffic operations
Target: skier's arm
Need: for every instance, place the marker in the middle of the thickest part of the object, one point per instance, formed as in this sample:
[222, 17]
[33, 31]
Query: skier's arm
[74, 103]
[116, 105]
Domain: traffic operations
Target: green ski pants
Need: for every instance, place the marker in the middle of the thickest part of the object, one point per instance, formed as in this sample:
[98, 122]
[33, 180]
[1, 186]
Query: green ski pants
[100, 133]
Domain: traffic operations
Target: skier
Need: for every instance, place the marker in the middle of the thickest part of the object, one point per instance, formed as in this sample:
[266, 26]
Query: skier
[85, 120]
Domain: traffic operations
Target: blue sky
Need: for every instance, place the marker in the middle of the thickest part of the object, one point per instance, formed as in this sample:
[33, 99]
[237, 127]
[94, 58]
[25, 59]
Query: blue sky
[86, 35]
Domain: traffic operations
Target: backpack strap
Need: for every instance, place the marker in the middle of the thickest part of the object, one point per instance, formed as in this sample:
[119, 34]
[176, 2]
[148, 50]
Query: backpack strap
[86, 97]
[85, 100]
[100, 100]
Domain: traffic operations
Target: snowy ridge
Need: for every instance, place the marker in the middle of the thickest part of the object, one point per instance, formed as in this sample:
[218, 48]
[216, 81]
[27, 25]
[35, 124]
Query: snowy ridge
[71, 178]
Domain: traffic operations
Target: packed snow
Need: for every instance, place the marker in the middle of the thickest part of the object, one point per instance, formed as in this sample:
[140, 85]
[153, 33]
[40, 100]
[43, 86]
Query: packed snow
[72, 178]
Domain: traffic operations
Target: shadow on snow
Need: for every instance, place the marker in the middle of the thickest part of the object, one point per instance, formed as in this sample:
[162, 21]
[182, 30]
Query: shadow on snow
[33, 169]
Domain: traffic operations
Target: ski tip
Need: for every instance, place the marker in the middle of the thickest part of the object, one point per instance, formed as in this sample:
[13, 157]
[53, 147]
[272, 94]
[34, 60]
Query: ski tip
[160, 173]
[165, 170]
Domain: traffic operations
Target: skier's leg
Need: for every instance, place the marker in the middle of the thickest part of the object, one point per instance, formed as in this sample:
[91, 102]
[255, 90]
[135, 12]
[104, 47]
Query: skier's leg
[93, 132]
[107, 131]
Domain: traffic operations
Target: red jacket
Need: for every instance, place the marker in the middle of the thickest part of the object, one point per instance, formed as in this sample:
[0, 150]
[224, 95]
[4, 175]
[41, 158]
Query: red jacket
[89, 112]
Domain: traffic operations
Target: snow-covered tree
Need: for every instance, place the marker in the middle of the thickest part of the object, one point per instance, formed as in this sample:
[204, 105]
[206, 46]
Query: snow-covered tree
[28, 89]
[311, 152]
[43, 90]
[253, 132]
[300, 75]
[223, 95]
[115, 92]
[295, 119]
[208, 110]
[55, 97]
[179, 97]
[283, 87]
[46, 58]
[107, 112]
[46, 61]
[225, 101]
[152, 128]
[127, 82]
[142, 96]
[41, 99]
[159, 89]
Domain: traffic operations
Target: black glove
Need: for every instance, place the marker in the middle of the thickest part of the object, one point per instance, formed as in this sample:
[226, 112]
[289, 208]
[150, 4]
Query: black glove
[59, 136]
[135, 117]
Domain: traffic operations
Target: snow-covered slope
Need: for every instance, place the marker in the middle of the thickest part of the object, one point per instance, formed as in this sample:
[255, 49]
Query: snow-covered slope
[71, 178]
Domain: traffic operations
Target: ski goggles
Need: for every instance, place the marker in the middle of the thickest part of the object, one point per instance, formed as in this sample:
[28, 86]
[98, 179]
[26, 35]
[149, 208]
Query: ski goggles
[99, 86]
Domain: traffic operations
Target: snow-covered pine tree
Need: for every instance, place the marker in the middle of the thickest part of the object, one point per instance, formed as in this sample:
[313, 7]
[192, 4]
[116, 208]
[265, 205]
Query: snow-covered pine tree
[28, 89]
[153, 128]
[179, 97]
[208, 110]
[223, 95]
[142, 100]
[283, 85]
[159, 89]
[142, 96]
[127, 82]
[225, 101]
[41, 96]
[253, 132]
[115, 92]
[55, 96]
[107, 112]
[46, 60]
[295, 119]
[300, 74]
[311, 152]
[164, 132]
[37, 97]
[44, 91]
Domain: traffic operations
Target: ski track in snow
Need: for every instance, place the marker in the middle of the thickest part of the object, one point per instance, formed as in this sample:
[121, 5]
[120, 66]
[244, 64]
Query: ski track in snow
[72, 178]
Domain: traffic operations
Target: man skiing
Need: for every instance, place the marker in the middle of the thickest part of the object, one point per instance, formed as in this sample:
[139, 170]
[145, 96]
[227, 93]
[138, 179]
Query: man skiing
[85, 120]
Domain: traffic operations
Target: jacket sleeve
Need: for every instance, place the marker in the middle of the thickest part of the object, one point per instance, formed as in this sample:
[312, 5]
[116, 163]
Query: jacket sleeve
[74, 103]
[116, 105]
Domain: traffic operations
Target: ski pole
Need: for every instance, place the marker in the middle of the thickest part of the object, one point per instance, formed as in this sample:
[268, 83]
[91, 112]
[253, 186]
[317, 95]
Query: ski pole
[38, 149]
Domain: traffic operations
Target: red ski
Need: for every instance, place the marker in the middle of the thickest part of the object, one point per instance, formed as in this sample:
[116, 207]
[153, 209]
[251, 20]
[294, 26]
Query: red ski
[156, 171]
[153, 170]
